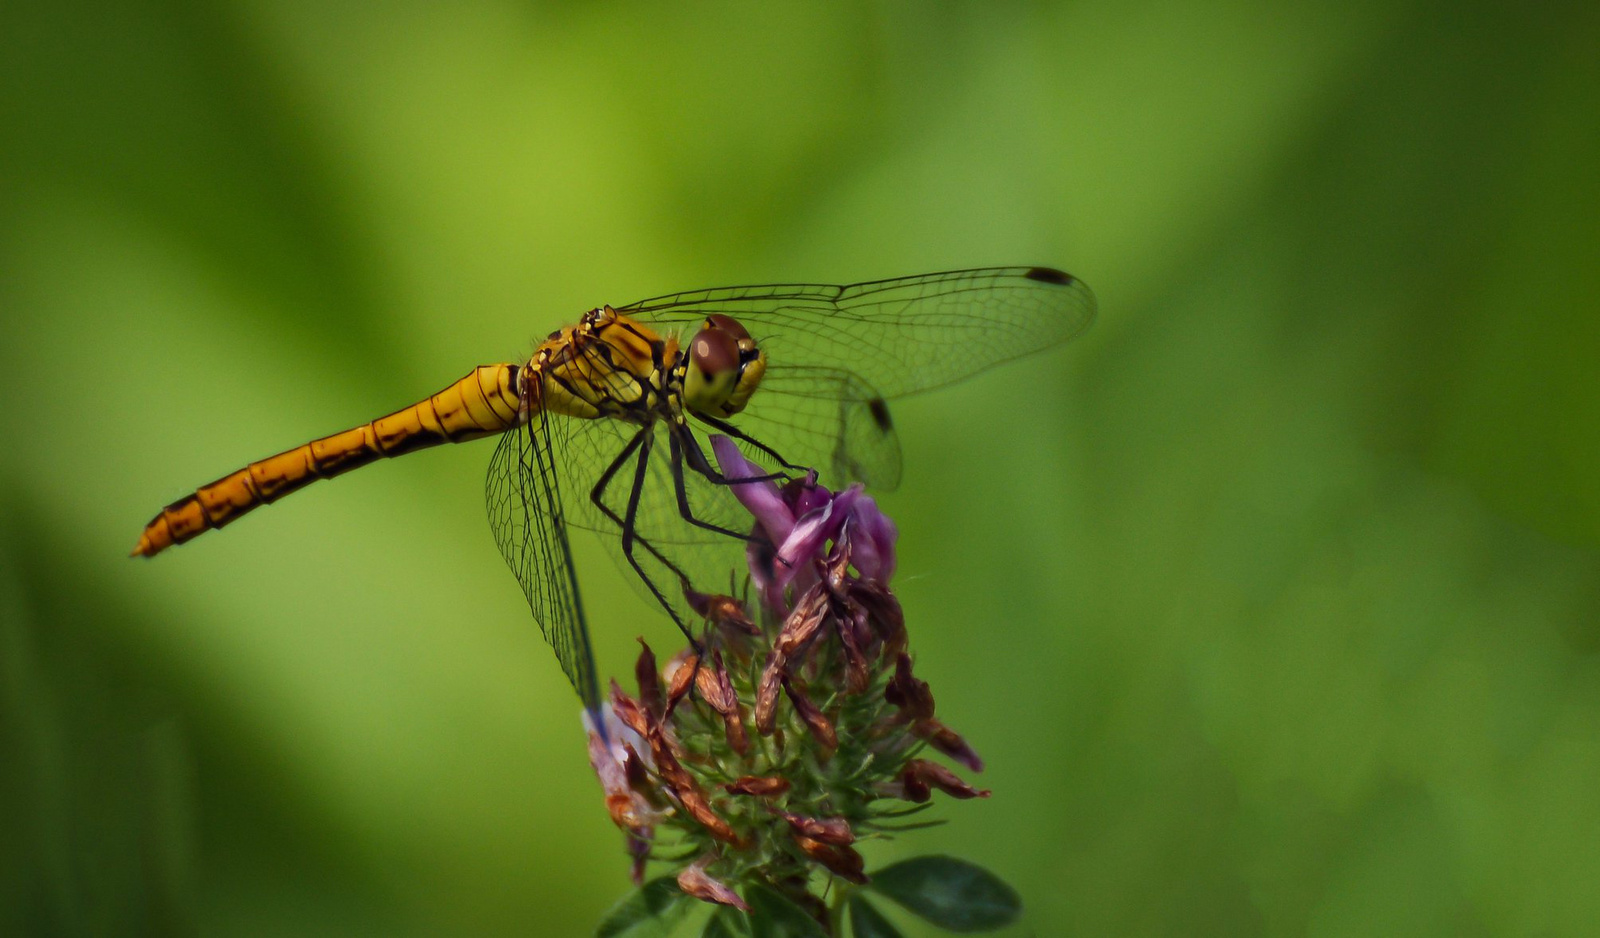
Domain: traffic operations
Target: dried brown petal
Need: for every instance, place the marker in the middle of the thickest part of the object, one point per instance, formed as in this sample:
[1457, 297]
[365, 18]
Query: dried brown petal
[829, 830]
[836, 567]
[733, 727]
[767, 695]
[842, 861]
[934, 775]
[856, 673]
[860, 626]
[913, 788]
[905, 691]
[802, 624]
[697, 806]
[628, 710]
[620, 806]
[884, 612]
[694, 882]
[628, 808]
[644, 671]
[725, 612]
[715, 687]
[798, 630]
[681, 675]
[949, 742]
[634, 768]
[761, 785]
[688, 792]
[819, 725]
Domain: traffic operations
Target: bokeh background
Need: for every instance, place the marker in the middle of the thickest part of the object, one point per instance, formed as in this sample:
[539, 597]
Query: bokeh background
[1274, 603]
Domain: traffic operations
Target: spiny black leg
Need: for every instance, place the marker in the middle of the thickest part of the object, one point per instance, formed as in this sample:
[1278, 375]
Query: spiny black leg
[684, 511]
[597, 496]
[738, 434]
[697, 462]
[628, 537]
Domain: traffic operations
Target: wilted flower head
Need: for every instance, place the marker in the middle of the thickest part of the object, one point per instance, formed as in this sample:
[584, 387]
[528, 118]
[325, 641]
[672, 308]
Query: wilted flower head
[792, 731]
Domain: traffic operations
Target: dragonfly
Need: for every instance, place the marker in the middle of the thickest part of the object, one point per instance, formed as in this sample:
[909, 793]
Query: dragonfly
[604, 427]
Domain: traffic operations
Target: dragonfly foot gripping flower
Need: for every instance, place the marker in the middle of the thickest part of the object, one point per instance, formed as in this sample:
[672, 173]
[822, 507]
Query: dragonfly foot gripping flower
[754, 765]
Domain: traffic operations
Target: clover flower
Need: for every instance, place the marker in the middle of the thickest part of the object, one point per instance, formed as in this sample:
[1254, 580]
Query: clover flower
[754, 763]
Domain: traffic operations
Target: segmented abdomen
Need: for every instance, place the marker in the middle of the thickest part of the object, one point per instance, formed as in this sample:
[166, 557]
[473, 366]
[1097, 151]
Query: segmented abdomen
[483, 403]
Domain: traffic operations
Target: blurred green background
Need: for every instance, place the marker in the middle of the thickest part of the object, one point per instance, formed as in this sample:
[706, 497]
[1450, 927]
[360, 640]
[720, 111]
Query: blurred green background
[1274, 603]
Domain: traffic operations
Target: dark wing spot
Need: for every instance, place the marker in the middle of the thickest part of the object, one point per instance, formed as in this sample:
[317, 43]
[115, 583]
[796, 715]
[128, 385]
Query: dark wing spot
[1049, 275]
[880, 414]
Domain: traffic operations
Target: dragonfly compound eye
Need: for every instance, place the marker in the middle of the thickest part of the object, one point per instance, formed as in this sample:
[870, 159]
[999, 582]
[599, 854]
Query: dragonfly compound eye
[731, 326]
[724, 368]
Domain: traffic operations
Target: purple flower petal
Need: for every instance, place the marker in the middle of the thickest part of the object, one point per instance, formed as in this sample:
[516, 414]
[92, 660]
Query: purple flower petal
[807, 496]
[875, 527]
[809, 524]
[761, 499]
[806, 540]
[864, 554]
[759, 557]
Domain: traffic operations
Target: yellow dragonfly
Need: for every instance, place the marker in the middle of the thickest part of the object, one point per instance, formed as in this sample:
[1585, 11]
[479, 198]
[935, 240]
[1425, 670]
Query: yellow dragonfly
[798, 374]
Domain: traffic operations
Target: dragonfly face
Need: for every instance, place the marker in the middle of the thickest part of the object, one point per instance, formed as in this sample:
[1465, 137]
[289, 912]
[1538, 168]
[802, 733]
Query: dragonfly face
[603, 427]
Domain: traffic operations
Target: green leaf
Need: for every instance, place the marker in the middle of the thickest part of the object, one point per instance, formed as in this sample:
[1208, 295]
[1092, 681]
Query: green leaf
[953, 894]
[773, 916]
[725, 923]
[647, 912]
[867, 922]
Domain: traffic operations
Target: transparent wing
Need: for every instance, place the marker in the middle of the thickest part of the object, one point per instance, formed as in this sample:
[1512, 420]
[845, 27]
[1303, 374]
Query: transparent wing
[902, 336]
[827, 419]
[523, 493]
[835, 354]
[668, 552]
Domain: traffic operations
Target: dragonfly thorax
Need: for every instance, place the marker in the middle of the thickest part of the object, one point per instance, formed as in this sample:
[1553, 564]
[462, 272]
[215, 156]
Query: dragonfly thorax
[722, 368]
[607, 365]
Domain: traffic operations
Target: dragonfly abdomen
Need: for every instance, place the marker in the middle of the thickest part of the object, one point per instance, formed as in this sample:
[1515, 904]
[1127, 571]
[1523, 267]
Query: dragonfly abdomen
[484, 403]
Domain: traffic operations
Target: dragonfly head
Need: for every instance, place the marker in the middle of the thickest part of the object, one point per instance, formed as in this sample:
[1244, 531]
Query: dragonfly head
[724, 368]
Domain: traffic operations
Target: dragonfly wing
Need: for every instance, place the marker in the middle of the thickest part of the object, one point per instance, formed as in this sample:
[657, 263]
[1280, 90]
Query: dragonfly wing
[669, 550]
[523, 493]
[828, 419]
[902, 336]
[835, 354]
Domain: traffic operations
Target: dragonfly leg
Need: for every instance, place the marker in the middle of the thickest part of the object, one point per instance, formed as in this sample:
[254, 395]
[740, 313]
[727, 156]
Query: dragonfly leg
[699, 463]
[733, 431]
[641, 442]
[597, 496]
[679, 447]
